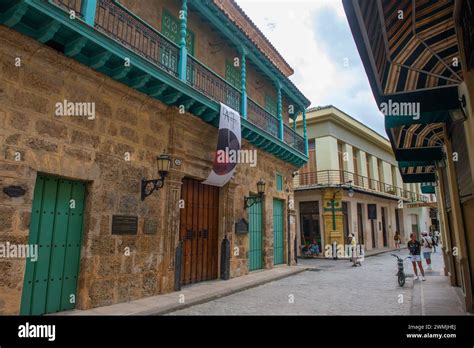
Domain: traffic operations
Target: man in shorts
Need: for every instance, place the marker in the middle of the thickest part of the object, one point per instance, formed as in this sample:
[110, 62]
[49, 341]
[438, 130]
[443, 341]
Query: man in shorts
[414, 247]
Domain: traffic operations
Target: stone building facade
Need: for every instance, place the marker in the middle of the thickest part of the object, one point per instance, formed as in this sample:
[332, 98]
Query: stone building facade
[109, 155]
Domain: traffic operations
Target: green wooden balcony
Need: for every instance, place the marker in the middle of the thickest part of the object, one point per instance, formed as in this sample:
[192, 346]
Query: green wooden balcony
[102, 37]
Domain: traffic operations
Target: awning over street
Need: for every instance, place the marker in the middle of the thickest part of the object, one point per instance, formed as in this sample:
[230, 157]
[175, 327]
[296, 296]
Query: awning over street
[410, 52]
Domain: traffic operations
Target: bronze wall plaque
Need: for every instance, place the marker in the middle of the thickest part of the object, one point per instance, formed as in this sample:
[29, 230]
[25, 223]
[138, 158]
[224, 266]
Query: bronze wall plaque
[241, 226]
[123, 224]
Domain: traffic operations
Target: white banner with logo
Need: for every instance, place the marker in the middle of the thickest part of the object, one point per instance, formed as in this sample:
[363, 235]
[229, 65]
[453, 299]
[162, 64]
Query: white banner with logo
[228, 147]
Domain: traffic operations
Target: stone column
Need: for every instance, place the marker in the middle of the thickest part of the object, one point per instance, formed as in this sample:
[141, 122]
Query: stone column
[462, 255]
[226, 219]
[171, 227]
[292, 232]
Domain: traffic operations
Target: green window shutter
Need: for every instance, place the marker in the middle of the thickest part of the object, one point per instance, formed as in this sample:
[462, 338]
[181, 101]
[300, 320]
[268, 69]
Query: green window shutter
[270, 105]
[170, 27]
[232, 75]
[279, 183]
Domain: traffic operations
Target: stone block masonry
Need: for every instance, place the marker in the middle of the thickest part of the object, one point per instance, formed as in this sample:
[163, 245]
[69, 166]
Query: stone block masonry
[110, 153]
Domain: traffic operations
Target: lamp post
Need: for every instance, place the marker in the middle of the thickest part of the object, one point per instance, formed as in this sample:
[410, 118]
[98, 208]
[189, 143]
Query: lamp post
[251, 200]
[149, 186]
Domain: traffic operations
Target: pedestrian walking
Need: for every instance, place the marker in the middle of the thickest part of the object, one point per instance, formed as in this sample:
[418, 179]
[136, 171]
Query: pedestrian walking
[435, 241]
[353, 244]
[397, 240]
[414, 247]
[427, 243]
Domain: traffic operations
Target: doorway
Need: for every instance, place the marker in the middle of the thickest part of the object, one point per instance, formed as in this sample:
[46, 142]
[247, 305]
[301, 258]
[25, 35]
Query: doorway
[56, 227]
[309, 223]
[199, 231]
[384, 227]
[255, 237]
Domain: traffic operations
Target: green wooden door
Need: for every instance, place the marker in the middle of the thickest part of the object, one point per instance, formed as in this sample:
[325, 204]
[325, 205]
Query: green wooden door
[56, 228]
[255, 237]
[277, 232]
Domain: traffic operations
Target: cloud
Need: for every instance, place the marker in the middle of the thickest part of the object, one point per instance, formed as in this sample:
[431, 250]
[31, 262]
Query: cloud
[315, 39]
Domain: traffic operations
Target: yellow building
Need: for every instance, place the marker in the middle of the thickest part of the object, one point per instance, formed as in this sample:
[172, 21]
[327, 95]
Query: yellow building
[428, 67]
[354, 167]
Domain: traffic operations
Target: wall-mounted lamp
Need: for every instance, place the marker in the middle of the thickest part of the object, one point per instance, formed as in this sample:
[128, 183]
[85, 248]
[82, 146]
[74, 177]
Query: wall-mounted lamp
[251, 200]
[148, 186]
[459, 115]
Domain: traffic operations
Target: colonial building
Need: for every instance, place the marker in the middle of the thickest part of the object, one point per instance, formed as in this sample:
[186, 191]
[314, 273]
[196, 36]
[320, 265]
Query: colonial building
[92, 92]
[350, 185]
[421, 54]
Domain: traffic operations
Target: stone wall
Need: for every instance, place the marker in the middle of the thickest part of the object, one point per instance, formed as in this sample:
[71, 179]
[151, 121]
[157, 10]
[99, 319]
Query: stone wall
[96, 152]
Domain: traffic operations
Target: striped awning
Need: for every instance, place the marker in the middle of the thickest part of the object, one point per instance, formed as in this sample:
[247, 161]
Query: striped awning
[411, 54]
[413, 44]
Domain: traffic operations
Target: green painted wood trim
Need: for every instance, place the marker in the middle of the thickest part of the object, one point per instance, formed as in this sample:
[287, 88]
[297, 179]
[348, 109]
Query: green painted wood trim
[14, 15]
[424, 118]
[243, 76]
[183, 53]
[279, 112]
[429, 189]
[88, 11]
[408, 164]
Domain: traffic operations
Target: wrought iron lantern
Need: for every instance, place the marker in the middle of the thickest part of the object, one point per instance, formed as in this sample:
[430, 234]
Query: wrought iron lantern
[149, 186]
[251, 200]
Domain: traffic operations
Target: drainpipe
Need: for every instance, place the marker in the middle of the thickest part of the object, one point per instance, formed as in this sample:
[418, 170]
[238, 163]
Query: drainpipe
[183, 52]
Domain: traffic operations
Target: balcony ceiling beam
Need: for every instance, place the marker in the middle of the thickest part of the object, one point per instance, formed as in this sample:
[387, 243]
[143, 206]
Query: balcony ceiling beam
[14, 14]
[48, 31]
[199, 110]
[172, 97]
[99, 60]
[75, 47]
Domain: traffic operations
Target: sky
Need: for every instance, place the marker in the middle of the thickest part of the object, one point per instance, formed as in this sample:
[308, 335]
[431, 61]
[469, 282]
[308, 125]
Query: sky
[314, 37]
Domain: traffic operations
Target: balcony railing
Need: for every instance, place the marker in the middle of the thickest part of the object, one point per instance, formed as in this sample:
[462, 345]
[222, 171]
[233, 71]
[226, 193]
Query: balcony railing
[292, 138]
[71, 5]
[211, 84]
[262, 118]
[339, 177]
[129, 30]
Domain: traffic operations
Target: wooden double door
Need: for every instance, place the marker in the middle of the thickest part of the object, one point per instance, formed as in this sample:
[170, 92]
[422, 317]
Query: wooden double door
[199, 231]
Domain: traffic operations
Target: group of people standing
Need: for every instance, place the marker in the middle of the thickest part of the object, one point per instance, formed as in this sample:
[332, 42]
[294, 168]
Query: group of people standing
[427, 245]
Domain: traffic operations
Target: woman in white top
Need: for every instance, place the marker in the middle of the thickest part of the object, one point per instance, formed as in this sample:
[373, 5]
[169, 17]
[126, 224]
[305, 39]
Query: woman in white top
[427, 244]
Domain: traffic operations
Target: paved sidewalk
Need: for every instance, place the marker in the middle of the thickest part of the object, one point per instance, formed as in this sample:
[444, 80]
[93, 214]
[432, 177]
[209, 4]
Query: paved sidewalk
[191, 295]
[435, 296]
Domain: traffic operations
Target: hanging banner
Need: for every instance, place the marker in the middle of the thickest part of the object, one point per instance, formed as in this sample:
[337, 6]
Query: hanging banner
[228, 148]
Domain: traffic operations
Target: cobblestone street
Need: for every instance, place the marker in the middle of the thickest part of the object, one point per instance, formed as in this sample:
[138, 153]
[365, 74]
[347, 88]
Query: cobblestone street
[333, 288]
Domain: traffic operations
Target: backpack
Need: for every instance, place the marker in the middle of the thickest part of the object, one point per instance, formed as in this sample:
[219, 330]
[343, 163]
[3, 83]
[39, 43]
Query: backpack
[430, 245]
